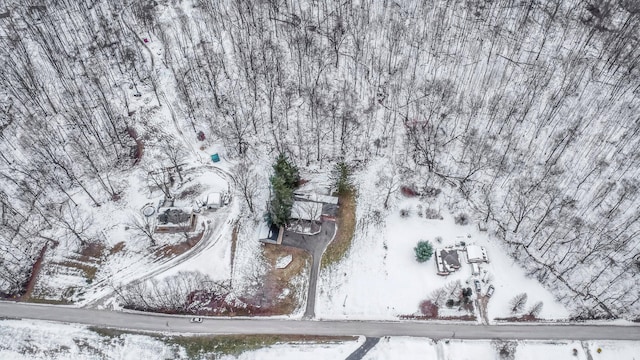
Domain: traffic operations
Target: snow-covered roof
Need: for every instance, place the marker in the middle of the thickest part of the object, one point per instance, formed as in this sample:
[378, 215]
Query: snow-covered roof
[214, 198]
[317, 198]
[477, 253]
[306, 210]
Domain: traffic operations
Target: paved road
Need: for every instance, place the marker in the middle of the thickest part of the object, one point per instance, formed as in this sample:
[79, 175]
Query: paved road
[360, 352]
[181, 324]
[315, 245]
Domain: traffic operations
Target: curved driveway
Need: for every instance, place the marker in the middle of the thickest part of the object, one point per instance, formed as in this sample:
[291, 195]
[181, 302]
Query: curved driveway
[180, 324]
[222, 224]
[315, 245]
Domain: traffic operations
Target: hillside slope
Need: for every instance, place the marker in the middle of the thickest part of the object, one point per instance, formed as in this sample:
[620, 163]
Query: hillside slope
[527, 111]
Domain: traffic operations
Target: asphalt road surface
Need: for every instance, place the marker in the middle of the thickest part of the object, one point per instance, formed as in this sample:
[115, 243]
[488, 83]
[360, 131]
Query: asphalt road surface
[180, 324]
[315, 245]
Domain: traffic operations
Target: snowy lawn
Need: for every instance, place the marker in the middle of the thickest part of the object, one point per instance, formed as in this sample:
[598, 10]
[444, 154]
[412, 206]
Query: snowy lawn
[301, 351]
[419, 348]
[379, 278]
[27, 340]
[128, 254]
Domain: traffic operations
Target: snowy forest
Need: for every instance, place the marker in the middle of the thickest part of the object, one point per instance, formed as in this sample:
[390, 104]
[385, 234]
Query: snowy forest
[527, 111]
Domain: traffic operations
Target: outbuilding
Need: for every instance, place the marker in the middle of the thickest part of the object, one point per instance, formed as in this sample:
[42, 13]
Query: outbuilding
[214, 201]
[476, 254]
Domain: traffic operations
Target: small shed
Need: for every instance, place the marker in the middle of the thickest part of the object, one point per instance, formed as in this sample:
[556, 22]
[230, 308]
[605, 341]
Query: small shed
[270, 234]
[214, 201]
[477, 254]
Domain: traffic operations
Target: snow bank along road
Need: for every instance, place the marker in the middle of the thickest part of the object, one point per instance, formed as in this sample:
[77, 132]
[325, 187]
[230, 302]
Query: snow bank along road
[180, 324]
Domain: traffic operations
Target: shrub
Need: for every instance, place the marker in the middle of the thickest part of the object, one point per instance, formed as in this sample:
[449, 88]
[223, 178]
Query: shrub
[468, 306]
[430, 191]
[423, 251]
[432, 214]
[407, 191]
[429, 309]
[507, 350]
[462, 219]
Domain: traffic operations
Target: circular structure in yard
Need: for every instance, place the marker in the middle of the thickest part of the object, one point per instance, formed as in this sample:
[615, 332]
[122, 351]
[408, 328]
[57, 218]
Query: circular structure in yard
[148, 210]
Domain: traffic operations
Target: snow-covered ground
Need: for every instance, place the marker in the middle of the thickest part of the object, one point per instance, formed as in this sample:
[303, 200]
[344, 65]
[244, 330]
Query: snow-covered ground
[136, 262]
[417, 348]
[301, 351]
[379, 278]
[29, 340]
[25, 339]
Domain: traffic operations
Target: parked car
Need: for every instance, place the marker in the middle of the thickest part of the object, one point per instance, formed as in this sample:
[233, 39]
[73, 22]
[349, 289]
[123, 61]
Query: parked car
[490, 290]
[196, 320]
[477, 284]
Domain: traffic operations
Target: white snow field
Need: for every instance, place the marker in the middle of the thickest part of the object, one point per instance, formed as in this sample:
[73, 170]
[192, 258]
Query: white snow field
[30, 340]
[40, 340]
[417, 348]
[379, 278]
[301, 351]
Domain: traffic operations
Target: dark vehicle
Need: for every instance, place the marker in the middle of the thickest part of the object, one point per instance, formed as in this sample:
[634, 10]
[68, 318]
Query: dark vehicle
[478, 287]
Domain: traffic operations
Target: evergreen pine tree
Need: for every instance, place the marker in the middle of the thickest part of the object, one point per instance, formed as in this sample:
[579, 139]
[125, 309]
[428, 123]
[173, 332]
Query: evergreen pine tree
[423, 250]
[342, 177]
[281, 201]
[288, 171]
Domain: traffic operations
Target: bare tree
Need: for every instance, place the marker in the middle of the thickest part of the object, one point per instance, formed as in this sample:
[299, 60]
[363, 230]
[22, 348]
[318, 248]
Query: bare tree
[144, 225]
[175, 154]
[247, 183]
[389, 182]
[161, 178]
[74, 222]
[517, 303]
[535, 309]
